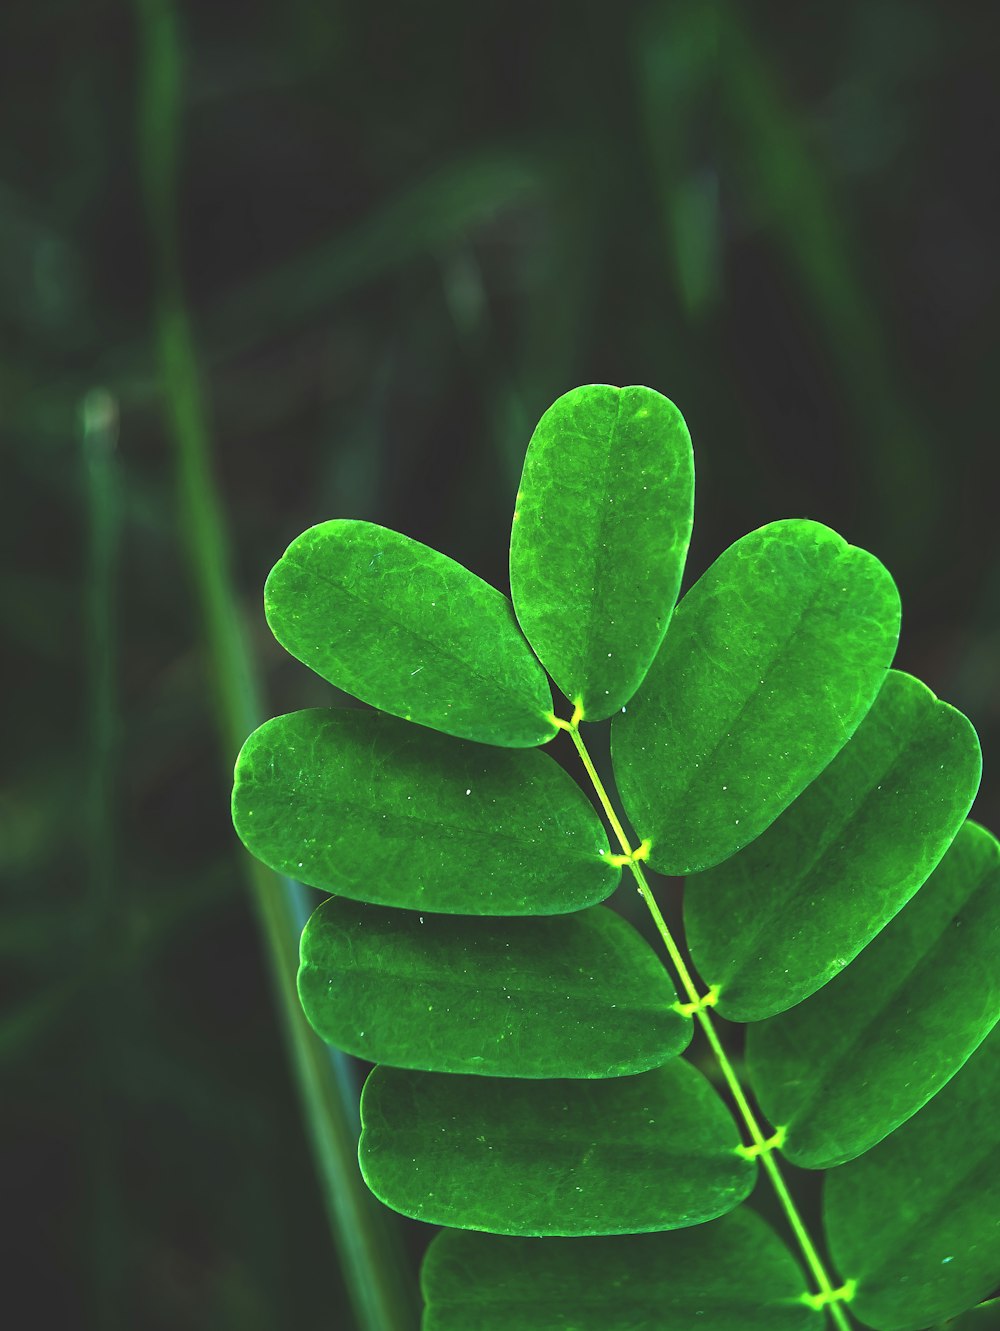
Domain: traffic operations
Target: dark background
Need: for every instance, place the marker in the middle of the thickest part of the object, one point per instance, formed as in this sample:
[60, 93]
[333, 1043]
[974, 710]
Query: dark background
[396, 233]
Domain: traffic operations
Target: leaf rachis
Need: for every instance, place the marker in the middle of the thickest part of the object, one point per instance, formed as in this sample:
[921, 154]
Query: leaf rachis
[762, 1146]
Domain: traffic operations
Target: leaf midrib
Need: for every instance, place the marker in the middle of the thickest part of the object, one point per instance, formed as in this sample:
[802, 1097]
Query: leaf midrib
[924, 960]
[394, 816]
[604, 518]
[658, 1298]
[466, 665]
[776, 906]
[660, 1151]
[724, 733]
[628, 1007]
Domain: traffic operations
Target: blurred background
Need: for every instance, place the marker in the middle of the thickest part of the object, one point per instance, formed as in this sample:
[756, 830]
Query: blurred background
[263, 265]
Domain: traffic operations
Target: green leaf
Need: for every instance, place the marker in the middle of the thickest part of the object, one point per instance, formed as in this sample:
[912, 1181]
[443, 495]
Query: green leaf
[576, 996]
[654, 1151]
[730, 1273]
[916, 1221]
[858, 1058]
[605, 508]
[410, 631]
[769, 664]
[790, 911]
[370, 808]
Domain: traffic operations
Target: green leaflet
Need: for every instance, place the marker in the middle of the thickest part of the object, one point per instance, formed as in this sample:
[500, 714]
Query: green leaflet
[604, 509]
[575, 996]
[410, 631]
[847, 1066]
[368, 807]
[916, 1221]
[655, 1151]
[769, 664]
[728, 1274]
[789, 912]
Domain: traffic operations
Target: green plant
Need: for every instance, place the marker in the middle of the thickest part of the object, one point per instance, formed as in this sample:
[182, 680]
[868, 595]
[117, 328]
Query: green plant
[532, 1085]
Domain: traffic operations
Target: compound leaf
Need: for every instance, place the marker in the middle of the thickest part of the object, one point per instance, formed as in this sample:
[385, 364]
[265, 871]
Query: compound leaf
[605, 507]
[368, 807]
[731, 1272]
[847, 1066]
[769, 664]
[916, 1221]
[410, 631]
[575, 996]
[789, 912]
[655, 1151]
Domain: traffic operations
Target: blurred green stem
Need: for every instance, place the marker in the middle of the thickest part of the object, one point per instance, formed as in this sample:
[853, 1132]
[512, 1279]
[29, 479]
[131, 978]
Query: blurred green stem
[104, 1227]
[373, 1267]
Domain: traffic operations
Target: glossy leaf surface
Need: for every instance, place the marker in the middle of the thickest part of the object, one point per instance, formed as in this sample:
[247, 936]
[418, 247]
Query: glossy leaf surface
[916, 1221]
[599, 539]
[410, 631]
[369, 807]
[768, 666]
[847, 1066]
[631, 1154]
[730, 1273]
[789, 912]
[573, 996]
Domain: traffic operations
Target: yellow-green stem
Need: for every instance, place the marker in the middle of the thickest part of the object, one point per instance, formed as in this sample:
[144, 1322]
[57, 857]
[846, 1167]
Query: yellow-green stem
[758, 1136]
